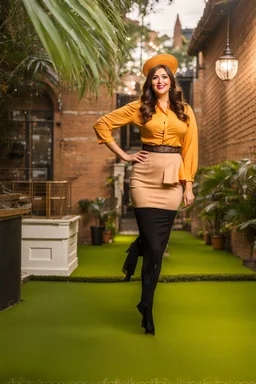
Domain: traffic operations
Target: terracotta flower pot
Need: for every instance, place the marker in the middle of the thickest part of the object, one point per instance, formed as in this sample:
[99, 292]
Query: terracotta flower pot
[207, 238]
[107, 237]
[218, 242]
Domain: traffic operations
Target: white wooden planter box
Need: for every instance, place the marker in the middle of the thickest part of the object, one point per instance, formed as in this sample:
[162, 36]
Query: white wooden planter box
[49, 246]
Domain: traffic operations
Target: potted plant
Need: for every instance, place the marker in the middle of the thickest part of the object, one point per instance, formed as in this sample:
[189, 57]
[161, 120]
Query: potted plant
[216, 191]
[110, 228]
[107, 233]
[207, 218]
[200, 233]
[186, 224]
[99, 209]
[241, 215]
[217, 210]
[203, 219]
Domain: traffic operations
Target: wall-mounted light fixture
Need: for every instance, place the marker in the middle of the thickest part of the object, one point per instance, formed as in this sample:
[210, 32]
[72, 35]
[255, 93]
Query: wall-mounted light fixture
[227, 66]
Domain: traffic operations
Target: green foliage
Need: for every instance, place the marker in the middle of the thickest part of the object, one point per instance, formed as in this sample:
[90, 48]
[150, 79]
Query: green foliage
[77, 43]
[242, 211]
[200, 234]
[110, 225]
[101, 209]
[111, 181]
[186, 224]
[215, 192]
[84, 205]
[208, 218]
[227, 197]
[81, 38]
[19, 46]
[81, 41]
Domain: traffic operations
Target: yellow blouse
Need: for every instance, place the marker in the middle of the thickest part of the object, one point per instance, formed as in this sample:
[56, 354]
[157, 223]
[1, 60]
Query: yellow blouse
[164, 128]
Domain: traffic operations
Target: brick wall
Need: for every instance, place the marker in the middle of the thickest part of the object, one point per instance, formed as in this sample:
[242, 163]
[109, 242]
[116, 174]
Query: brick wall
[240, 245]
[227, 126]
[226, 110]
[77, 155]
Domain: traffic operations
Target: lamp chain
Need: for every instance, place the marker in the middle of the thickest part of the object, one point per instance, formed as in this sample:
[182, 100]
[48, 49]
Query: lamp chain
[228, 29]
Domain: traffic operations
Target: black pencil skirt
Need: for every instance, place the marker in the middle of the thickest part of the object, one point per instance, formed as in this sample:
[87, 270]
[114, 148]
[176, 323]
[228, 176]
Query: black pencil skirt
[154, 227]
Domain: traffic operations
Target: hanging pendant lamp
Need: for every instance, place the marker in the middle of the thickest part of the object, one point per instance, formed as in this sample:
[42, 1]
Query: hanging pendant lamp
[227, 66]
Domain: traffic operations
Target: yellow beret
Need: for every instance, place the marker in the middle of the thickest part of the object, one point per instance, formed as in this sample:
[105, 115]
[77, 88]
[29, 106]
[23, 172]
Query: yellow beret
[163, 59]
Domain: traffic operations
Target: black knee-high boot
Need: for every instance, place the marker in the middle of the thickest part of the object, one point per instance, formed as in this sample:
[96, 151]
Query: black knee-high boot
[134, 251]
[155, 226]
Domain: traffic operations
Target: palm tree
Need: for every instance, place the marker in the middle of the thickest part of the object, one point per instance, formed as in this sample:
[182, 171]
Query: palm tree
[82, 39]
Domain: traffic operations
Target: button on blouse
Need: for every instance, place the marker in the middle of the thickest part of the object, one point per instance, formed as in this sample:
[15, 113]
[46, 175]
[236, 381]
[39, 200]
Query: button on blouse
[163, 129]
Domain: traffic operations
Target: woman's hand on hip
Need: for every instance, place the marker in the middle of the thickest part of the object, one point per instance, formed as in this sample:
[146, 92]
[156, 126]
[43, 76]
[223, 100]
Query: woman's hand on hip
[188, 197]
[138, 157]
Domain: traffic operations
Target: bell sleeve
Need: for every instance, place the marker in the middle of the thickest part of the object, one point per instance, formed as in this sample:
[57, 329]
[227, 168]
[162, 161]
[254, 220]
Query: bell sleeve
[116, 119]
[190, 148]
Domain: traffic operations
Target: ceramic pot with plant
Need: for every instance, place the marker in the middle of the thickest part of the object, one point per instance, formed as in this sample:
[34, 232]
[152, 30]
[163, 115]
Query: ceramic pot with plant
[241, 215]
[215, 191]
[107, 236]
[99, 209]
[110, 229]
[218, 242]
[207, 238]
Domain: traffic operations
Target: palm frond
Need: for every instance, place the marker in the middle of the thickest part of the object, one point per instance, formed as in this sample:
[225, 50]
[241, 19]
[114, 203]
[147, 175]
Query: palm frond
[80, 38]
[212, 207]
[227, 191]
[247, 224]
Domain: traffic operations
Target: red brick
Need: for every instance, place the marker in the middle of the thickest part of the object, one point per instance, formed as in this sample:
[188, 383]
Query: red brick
[228, 109]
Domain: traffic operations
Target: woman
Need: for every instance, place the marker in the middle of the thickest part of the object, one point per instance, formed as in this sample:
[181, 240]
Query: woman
[163, 171]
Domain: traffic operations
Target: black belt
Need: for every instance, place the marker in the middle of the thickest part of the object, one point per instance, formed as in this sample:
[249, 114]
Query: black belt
[161, 148]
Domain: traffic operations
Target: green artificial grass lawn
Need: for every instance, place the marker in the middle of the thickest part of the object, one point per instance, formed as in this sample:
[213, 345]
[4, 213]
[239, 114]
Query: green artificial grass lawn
[90, 332]
[188, 255]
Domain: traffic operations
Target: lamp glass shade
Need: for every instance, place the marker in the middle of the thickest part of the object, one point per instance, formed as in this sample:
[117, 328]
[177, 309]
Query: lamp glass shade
[226, 68]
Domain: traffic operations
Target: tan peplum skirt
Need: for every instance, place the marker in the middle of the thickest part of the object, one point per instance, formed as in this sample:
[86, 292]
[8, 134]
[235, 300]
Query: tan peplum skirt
[155, 183]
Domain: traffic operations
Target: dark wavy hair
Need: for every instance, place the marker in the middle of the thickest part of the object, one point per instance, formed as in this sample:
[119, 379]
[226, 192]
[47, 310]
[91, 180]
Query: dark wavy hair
[149, 99]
